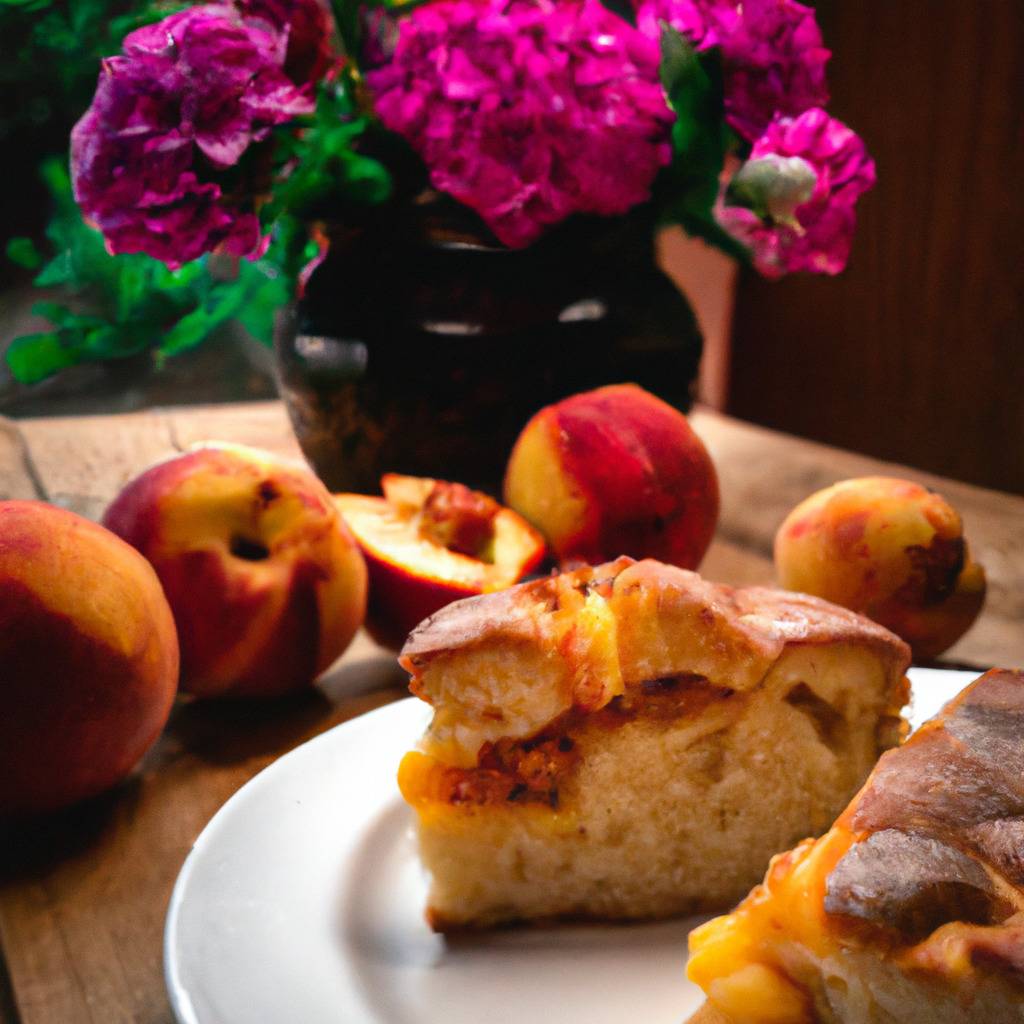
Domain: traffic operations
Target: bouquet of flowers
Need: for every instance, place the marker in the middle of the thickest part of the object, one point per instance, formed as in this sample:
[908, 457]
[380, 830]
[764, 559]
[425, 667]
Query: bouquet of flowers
[235, 127]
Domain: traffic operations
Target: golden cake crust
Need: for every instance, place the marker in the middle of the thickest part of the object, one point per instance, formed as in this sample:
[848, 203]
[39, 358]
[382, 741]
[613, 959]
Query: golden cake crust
[582, 638]
[765, 617]
[911, 908]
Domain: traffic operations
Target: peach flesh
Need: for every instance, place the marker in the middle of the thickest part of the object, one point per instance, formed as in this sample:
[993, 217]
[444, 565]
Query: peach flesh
[428, 543]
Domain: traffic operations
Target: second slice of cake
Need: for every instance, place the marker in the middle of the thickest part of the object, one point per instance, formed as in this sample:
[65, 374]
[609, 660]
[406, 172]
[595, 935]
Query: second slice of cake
[629, 740]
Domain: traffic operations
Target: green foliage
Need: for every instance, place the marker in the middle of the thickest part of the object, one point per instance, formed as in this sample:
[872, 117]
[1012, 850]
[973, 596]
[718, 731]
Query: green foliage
[701, 139]
[123, 305]
[23, 251]
[52, 50]
[322, 162]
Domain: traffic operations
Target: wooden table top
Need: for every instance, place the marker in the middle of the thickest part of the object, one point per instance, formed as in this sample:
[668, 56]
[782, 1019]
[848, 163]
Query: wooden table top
[83, 895]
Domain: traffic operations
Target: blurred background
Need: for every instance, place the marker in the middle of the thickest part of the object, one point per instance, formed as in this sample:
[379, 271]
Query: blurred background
[914, 354]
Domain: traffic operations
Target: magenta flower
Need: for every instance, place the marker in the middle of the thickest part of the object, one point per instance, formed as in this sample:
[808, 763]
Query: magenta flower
[803, 178]
[307, 26]
[189, 96]
[528, 110]
[772, 53]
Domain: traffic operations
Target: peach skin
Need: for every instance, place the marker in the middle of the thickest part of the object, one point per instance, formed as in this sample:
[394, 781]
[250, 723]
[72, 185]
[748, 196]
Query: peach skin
[89, 658]
[613, 472]
[887, 548]
[430, 542]
[265, 581]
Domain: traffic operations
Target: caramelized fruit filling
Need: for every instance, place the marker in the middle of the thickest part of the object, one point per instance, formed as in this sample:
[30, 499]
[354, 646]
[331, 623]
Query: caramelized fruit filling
[460, 519]
[510, 772]
[532, 771]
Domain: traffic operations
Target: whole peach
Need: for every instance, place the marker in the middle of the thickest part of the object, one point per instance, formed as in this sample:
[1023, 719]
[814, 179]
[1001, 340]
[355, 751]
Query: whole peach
[890, 549]
[265, 580]
[613, 472]
[88, 658]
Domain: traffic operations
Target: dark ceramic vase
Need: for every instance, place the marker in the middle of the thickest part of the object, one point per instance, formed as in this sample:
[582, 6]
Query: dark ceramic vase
[423, 346]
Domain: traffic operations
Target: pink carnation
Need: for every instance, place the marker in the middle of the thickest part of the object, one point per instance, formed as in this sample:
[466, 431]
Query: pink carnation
[528, 110]
[821, 230]
[772, 53]
[189, 96]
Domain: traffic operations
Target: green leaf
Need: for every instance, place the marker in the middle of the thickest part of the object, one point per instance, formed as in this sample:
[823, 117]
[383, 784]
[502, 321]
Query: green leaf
[696, 98]
[61, 316]
[58, 271]
[322, 164]
[688, 190]
[679, 63]
[24, 253]
[34, 357]
[268, 288]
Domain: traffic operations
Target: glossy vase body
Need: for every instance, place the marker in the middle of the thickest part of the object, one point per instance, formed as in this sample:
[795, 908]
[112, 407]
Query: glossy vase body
[422, 346]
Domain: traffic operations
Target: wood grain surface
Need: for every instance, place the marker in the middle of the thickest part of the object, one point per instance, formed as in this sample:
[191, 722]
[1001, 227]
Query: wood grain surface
[83, 895]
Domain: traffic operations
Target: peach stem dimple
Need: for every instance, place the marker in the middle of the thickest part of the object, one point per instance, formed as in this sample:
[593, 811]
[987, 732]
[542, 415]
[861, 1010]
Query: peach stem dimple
[249, 550]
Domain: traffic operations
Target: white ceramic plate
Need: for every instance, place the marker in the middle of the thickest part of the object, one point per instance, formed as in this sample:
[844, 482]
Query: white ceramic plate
[302, 903]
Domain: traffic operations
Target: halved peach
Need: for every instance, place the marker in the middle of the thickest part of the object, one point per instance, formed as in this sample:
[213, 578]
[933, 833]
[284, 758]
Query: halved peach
[430, 542]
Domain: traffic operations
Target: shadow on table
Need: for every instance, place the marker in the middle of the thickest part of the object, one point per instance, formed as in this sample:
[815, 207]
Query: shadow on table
[229, 730]
[225, 732]
[33, 845]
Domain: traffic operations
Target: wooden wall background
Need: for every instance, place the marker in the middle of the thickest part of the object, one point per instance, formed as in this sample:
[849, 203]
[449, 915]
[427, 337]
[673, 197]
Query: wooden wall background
[916, 353]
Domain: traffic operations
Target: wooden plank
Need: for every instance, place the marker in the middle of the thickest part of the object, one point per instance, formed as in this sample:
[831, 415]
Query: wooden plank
[81, 462]
[763, 474]
[737, 566]
[16, 479]
[260, 424]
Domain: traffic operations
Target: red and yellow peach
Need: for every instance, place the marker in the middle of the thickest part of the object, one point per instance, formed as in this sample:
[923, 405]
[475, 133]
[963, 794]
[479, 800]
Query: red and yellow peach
[613, 472]
[88, 658]
[265, 581]
[890, 549]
